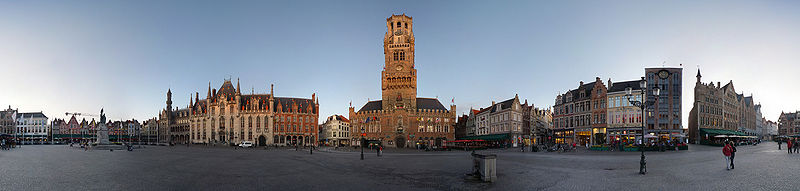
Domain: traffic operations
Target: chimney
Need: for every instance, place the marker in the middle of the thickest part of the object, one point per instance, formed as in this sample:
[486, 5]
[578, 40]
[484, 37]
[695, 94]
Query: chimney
[609, 83]
[718, 84]
[581, 82]
[493, 103]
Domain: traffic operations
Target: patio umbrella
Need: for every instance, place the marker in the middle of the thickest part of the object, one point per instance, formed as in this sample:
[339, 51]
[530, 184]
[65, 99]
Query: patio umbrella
[720, 136]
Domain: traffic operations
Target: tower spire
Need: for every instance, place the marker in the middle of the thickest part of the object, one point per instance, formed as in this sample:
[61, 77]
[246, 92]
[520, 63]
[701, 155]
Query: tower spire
[238, 89]
[698, 75]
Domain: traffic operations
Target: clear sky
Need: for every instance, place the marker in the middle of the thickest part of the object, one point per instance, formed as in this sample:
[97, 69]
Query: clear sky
[79, 56]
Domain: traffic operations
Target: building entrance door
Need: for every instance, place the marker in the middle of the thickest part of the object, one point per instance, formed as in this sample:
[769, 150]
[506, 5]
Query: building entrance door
[400, 142]
[222, 136]
[262, 141]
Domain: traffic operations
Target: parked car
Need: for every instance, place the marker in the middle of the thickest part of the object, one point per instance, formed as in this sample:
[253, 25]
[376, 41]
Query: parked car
[246, 144]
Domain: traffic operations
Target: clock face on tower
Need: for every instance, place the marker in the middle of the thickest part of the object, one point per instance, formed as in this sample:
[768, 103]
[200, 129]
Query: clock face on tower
[398, 32]
[663, 74]
[398, 68]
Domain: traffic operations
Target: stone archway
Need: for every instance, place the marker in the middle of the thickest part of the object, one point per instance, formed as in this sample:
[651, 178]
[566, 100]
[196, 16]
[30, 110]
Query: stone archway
[300, 141]
[400, 142]
[262, 141]
[221, 135]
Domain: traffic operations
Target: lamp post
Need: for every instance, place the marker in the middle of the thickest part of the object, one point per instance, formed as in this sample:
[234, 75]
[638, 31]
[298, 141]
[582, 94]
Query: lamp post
[642, 104]
[362, 143]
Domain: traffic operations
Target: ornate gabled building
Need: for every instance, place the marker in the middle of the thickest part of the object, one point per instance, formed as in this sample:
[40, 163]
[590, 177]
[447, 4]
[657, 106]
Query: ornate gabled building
[401, 118]
[8, 122]
[789, 124]
[579, 116]
[226, 116]
[719, 110]
[537, 123]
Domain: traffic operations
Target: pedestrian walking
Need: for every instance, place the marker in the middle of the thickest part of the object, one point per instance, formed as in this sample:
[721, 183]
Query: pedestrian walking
[726, 150]
[733, 154]
[779, 145]
[796, 146]
[789, 146]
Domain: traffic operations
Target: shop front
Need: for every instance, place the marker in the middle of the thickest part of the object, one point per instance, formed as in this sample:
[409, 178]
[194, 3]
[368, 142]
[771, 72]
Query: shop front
[494, 140]
[627, 135]
[599, 136]
[667, 136]
[583, 136]
[563, 136]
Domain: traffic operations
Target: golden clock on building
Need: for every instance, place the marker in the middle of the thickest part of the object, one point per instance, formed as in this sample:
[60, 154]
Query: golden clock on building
[663, 74]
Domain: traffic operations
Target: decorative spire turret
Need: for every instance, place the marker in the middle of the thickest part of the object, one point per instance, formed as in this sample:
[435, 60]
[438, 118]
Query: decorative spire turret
[238, 89]
[698, 75]
[169, 98]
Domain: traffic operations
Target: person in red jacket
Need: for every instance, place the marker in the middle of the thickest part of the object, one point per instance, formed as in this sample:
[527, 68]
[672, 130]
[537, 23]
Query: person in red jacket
[727, 152]
[789, 145]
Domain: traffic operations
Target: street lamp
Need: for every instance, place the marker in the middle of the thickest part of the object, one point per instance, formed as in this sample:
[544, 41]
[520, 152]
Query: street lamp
[362, 143]
[642, 104]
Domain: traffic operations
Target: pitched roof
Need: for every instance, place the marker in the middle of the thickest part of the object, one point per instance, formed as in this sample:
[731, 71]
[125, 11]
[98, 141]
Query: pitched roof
[227, 89]
[621, 86]
[372, 106]
[340, 118]
[430, 103]
[30, 115]
[504, 105]
[748, 99]
[422, 103]
[286, 104]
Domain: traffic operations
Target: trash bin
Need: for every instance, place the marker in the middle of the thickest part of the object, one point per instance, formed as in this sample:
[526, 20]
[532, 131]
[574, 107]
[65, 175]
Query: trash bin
[485, 166]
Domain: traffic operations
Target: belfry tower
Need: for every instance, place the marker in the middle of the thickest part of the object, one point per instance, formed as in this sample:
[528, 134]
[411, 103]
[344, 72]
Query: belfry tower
[399, 78]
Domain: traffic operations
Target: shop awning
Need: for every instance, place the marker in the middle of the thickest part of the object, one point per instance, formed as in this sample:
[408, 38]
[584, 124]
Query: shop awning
[720, 132]
[495, 137]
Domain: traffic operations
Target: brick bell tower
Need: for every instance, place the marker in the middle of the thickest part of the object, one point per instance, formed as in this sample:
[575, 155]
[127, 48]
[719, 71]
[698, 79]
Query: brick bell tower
[399, 78]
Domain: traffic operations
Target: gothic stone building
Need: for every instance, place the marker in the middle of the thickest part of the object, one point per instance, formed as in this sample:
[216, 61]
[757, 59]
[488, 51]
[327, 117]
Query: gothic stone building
[229, 117]
[719, 109]
[402, 119]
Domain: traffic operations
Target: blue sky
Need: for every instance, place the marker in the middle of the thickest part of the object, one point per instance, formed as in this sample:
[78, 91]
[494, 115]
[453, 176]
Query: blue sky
[79, 56]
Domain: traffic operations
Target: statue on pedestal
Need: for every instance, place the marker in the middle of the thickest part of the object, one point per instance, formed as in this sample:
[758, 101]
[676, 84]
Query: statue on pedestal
[102, 130]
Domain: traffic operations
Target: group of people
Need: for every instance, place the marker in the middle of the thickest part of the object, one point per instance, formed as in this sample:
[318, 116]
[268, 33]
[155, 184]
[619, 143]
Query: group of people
[7, 144]
[792, 146]
[729, 150]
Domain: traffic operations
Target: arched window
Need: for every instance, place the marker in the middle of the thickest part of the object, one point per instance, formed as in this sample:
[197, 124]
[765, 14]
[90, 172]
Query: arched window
[398, 24]
[250, 122]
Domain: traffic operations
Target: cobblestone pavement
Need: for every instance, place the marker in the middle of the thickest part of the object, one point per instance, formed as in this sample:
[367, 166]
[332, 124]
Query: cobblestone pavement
[58, 167]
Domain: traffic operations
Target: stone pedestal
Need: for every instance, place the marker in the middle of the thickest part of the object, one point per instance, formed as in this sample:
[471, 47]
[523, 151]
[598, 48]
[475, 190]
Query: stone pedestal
[102, 135]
